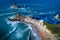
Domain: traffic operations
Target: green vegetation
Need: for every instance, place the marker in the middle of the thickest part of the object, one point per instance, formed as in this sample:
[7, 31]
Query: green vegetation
[54, 28]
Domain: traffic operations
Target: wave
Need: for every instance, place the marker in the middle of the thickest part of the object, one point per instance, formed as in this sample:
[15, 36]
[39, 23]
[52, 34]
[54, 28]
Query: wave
[34, 32]
[18, 34]
[7, 13]
[9, 33]
[13, 25]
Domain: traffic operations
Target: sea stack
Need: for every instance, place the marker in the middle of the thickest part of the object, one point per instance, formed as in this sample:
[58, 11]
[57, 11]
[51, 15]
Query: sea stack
[15, 6]
[57, 16]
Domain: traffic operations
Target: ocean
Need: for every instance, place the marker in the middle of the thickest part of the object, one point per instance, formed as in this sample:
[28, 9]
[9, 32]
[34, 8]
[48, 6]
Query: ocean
[40, 9]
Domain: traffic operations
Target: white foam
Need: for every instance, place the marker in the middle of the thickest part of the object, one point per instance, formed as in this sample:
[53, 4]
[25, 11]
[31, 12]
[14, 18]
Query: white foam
[23, 8]
[19, 35]
[12, 24]
[34, 32]
[12, 17]
[29, 26]
[11, 7]
[7, 13]
[44, 13]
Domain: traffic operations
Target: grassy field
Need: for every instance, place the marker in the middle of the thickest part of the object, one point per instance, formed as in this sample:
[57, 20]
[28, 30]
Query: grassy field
[54, 28]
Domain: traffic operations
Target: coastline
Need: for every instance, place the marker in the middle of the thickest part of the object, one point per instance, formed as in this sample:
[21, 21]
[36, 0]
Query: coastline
[37, 24]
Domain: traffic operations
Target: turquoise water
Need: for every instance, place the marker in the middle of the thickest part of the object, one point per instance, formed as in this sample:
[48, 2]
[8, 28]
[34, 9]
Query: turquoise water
[16, 30]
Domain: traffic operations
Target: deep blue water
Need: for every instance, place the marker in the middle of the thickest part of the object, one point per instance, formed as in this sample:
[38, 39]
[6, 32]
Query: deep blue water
[39, 5]
[38, 9]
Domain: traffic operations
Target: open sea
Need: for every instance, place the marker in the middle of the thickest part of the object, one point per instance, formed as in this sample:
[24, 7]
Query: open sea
[38, 9]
